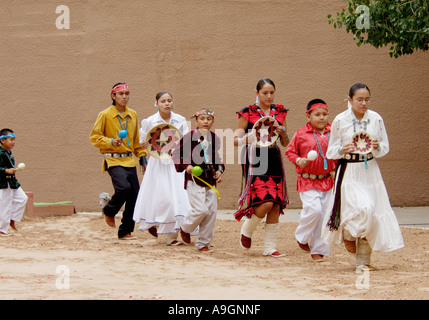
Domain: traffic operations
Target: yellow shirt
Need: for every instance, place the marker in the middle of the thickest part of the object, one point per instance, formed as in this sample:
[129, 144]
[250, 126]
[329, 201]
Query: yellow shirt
[107, 126]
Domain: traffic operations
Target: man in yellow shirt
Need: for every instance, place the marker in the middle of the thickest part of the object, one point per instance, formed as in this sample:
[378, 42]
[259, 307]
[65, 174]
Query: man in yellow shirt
[118, 157]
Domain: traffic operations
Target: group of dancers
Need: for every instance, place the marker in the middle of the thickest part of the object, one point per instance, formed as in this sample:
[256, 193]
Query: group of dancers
[343, 195]
[344, 199]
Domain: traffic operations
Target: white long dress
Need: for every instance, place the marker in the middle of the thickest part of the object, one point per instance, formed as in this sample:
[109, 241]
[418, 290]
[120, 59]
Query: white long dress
[365, 205]
[162, 200]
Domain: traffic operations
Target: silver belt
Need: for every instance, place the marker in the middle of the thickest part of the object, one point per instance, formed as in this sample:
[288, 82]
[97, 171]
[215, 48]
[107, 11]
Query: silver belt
[117, 155]
[314, 176]
[354, 157]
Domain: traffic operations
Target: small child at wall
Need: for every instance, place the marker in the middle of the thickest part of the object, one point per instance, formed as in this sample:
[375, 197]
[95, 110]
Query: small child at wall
[12, 198]
[200, 147]
[314, 181]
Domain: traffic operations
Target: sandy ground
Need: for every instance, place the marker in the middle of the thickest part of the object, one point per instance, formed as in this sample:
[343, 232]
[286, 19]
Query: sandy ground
[80, 257]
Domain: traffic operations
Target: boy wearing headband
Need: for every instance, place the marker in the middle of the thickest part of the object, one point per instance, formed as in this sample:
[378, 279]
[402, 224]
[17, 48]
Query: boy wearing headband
[314, 181]
[200, 147]
[12, 198]
[118, 157]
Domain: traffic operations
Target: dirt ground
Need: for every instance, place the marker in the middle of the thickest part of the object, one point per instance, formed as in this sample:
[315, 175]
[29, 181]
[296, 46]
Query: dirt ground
[80, 258]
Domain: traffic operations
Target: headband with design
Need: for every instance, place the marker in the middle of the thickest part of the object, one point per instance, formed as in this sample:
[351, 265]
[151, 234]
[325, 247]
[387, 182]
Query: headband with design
[119, 88]
[7, 136]
[203, 111]
[316, 106]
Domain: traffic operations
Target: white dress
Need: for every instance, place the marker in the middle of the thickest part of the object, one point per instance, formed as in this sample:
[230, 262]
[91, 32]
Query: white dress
[365, 206]
[162, 200]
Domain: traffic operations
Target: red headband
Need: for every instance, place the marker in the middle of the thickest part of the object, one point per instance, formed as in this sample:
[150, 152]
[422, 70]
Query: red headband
[316, 106]
[119, 88]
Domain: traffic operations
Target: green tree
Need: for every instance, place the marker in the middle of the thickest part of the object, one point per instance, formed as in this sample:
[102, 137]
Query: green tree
[401, 24]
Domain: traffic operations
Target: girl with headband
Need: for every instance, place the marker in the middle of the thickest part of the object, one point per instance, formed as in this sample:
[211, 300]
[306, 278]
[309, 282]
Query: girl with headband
[359, 213]
[265, 184]
[162, 201]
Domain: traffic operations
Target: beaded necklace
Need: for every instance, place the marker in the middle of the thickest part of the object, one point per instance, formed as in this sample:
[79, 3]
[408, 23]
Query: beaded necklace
[259, 111]
[325, 162]
[126, 128]
[359, 122]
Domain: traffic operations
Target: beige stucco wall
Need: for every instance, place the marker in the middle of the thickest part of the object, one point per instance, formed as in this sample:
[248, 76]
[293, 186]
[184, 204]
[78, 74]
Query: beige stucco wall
[206, 53]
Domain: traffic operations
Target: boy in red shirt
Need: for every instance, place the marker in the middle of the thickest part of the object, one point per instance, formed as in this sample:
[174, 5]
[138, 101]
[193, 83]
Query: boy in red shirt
[315, 177]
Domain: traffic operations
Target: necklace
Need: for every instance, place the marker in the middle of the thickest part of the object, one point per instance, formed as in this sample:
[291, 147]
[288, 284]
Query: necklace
[359, 122]
[258, 108]
[126, 128]
[325, 162]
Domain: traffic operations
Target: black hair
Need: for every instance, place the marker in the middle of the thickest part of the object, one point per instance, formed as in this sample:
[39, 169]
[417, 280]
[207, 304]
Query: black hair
[160, 94]
[313, 102]
[116, 84]
[263, 82]
[5, 132]
[356, 87]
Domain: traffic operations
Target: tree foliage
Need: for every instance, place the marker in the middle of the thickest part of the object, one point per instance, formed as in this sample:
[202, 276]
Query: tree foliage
[401, 24]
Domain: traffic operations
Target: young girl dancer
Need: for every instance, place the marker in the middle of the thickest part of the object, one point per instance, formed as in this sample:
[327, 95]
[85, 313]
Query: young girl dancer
[265, 183]
[360, 213]
[162, 201]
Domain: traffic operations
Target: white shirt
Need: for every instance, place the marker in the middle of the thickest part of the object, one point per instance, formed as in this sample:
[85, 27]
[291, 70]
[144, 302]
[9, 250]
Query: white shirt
[175, 119]
[346, 124]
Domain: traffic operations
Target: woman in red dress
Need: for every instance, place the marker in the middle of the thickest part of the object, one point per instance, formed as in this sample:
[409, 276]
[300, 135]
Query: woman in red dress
[263, 171]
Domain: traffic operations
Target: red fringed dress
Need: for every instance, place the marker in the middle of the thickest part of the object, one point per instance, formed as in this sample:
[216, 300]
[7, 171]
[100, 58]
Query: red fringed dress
[263, 171]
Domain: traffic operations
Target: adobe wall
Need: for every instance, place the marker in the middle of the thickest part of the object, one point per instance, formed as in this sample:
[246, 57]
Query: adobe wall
[206, 53]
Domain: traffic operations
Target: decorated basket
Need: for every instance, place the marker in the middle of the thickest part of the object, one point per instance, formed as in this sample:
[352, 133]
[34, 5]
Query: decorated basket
[265, 131]
[362, 142]
[162, 139]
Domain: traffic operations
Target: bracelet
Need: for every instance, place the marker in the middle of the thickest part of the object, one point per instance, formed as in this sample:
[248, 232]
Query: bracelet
[111, 141]
[240, 141]
[297, 160]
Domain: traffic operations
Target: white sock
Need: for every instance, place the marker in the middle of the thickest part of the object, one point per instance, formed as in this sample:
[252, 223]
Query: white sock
[363, 252]
[270, 238]
[250, 225]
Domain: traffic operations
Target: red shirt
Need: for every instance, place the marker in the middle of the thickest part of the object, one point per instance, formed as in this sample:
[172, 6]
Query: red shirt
[302, 142]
